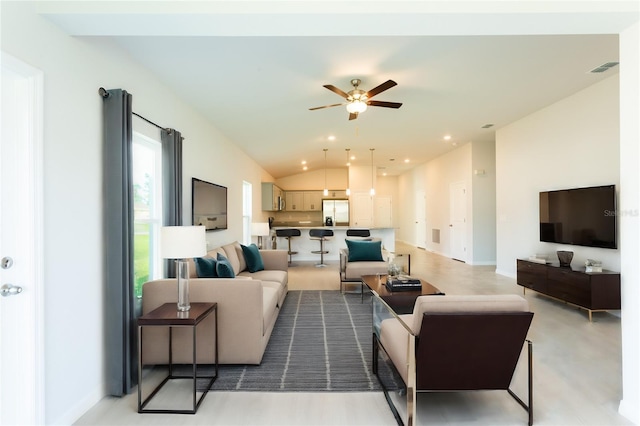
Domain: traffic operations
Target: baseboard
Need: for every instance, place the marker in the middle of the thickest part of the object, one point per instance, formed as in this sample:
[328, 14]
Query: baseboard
[505, 273]
[78, 410]
[482, 263]
[629, 409]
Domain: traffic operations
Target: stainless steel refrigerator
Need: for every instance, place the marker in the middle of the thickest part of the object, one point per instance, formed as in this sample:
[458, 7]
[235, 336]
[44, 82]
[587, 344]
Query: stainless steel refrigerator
[337, 210]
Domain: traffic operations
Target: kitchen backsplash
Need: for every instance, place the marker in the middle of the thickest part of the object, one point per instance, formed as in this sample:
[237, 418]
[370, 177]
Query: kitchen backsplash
[298, 218]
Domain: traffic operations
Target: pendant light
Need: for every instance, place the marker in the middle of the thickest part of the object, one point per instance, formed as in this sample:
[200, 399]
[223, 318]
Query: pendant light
[326, 190]
[372, 191]
[348, 191]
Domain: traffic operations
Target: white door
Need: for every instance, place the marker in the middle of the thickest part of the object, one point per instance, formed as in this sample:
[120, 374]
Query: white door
[21, 313]
[421, 220]
[457, 221]
[362, 210]
[382, 210]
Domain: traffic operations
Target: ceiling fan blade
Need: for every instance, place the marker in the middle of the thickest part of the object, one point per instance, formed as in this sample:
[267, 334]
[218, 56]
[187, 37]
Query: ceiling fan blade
[353, 115]
[334, 89]
[381, 88]
[325, 106]
[385, 104]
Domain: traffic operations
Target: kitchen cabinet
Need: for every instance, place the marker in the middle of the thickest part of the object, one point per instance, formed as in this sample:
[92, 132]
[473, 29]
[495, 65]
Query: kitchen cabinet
[336, 194]
[294, 201]
[312, 201]
[272, 197]
[307, 201]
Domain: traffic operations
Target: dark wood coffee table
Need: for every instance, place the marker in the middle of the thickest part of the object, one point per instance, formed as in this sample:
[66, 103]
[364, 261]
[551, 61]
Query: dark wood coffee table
[400, 301]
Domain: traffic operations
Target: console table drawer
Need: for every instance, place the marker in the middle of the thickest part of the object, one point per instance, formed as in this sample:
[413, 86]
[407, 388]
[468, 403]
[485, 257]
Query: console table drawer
[568, 277]
[532, 275]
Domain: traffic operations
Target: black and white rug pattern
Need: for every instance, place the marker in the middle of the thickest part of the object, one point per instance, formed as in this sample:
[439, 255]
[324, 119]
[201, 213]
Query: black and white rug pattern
[322, 341]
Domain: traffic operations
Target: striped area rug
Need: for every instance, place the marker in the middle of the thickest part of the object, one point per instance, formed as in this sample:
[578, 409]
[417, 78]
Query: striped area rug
[321, 342]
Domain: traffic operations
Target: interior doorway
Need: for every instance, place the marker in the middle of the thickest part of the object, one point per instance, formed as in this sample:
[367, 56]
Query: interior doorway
[21, 251]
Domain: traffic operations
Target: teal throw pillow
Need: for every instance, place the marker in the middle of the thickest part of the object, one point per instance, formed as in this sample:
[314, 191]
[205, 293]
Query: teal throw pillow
[224, 268]
[253, 258]
[205, 267]
[364, 251]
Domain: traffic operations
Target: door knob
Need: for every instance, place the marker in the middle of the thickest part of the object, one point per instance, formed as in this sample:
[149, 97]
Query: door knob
[10, 290]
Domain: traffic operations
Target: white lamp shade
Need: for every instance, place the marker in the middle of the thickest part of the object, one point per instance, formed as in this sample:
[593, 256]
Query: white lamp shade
[182, 242]
[260, 229]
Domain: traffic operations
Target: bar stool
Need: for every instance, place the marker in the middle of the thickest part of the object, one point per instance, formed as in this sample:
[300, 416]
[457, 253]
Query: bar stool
[320, 235]
[358, 233]
[288, 234]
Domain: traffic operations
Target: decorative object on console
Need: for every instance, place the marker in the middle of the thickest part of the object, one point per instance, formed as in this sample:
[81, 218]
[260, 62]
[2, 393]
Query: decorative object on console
[565, 257]
[180, 243]
[592, 265]
[260, 229]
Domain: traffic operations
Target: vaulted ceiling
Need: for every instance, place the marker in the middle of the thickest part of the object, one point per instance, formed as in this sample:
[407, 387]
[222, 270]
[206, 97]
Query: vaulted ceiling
[254, 72]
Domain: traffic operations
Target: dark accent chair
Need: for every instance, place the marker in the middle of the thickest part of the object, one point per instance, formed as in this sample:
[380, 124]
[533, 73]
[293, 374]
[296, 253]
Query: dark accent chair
[455, 343]
[322, 235]
[288, 234]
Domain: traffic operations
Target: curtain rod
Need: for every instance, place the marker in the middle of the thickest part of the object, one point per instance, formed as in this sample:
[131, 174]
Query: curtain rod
[105, 94]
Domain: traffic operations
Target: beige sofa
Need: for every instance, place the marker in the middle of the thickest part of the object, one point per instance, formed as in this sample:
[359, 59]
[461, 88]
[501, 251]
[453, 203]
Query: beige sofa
[248, 306]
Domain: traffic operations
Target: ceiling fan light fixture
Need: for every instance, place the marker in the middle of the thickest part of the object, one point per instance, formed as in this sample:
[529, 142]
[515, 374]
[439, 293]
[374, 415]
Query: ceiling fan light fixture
[356, 106]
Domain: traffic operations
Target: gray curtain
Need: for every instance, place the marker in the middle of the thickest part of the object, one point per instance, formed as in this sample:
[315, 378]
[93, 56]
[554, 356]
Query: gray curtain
[121, 308]
[171, 185]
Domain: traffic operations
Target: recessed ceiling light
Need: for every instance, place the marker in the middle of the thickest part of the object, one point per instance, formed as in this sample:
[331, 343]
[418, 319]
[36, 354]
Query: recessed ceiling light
[487, 126]
[447, 137]
[304, 162]
[406, 160]
[331, 138]
[304, 168]
[384, 174]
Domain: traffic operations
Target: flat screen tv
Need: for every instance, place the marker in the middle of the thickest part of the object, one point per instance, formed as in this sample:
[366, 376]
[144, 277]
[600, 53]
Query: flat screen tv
[579, 216]
[208, 205]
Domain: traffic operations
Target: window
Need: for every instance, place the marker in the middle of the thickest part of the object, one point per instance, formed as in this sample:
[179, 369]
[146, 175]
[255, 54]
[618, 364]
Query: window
[246, 212]
[147, 209]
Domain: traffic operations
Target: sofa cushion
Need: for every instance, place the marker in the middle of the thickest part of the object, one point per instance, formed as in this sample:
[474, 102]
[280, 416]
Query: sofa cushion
[364, 251]
[205, 267]
[224, 268]
[276, 276]
[232, 255]
[253, 258]
[242, 264]
[355, 270]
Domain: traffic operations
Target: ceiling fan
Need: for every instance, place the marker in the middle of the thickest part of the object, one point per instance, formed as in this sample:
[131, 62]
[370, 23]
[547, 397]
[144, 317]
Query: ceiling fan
[358, 99]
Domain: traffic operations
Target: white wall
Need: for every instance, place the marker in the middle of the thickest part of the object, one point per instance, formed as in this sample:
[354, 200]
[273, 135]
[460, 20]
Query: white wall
[629, 206]
[572, 143]
[483, 181]
[74, 69]
[434, 179]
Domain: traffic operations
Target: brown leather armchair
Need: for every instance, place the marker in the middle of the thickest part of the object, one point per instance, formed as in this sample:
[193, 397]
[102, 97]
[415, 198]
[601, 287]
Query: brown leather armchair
[453, 343]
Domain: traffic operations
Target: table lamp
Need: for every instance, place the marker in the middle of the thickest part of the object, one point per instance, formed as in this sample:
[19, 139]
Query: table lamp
[181, 243]
[259, 229]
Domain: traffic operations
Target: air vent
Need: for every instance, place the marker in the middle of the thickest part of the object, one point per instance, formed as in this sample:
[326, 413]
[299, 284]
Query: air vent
[487, 126]
[604, 67]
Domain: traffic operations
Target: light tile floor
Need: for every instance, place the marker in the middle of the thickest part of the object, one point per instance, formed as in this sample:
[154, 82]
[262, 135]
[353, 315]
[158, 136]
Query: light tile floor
[577, 370]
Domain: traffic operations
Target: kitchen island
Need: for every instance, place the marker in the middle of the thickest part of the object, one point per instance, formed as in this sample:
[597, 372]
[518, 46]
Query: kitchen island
[304, 245]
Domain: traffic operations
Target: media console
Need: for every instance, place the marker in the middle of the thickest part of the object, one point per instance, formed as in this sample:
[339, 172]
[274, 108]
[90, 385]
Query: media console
[593, 291]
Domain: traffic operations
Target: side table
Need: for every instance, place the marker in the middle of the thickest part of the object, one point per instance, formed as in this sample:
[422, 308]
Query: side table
[168, 315]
